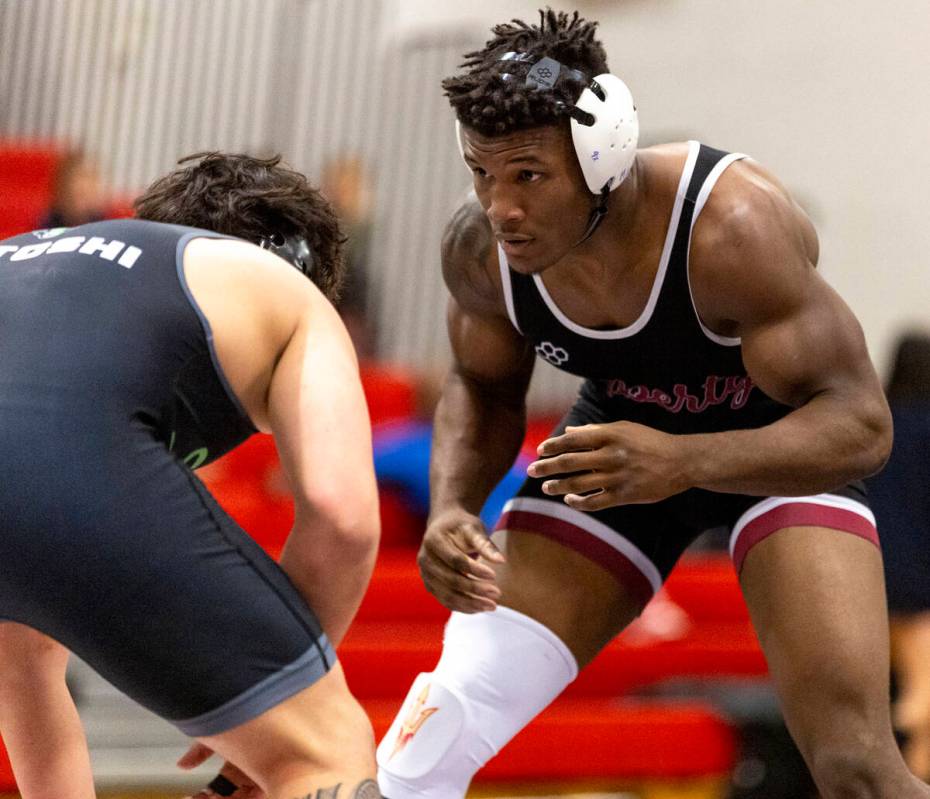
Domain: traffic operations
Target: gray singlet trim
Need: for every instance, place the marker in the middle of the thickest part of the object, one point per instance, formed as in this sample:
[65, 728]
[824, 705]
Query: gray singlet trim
[271, 691]
[205, 323]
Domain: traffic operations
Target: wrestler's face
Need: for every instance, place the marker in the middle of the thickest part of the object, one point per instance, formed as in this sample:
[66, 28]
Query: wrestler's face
[532, 190]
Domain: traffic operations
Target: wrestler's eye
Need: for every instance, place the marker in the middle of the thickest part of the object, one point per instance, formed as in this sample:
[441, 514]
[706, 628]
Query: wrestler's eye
[529, 176]
[479, 172]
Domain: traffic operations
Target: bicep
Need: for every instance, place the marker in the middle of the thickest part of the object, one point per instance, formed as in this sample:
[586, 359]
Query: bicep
[806, 343]
[319, 417]
[487, 348]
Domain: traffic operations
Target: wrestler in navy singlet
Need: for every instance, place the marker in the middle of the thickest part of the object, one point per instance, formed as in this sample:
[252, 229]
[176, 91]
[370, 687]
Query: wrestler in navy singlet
[667, 371]
[109, 543]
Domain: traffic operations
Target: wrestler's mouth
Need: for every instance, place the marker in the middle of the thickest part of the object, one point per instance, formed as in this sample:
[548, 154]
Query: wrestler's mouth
[516, 245]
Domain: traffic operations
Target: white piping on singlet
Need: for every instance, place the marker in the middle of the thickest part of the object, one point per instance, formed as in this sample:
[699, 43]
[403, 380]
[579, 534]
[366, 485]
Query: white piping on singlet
[704, 193]
[646, 315]
[825, 500]
[556, 509]
[508, 287]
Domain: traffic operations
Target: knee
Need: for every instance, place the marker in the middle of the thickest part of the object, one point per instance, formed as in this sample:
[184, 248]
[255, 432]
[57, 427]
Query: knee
[348, 740]
[472, 704]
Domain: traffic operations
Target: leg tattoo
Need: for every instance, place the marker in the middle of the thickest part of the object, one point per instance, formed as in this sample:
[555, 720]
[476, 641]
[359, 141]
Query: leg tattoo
[367, 790]
[364, 790]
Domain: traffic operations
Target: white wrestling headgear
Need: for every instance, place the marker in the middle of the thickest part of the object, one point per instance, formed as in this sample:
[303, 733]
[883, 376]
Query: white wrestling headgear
[604, 123]
[606, 148]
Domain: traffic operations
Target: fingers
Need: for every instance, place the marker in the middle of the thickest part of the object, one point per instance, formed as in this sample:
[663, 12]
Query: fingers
[457, 591]
[575, 484]
[455, 563]
[588, 436]
[193, 757]
[485, 547]
[596, 501]
[458, 549]
[565, 464]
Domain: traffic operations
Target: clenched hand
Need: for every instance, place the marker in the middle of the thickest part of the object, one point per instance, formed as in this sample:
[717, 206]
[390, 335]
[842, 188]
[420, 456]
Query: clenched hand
[599, 466]
[455, 559]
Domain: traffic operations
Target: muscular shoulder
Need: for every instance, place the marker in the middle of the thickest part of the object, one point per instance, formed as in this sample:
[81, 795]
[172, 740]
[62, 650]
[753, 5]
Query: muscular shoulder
[469, 260]
[256, 279]
[753, 249]
[255, 303]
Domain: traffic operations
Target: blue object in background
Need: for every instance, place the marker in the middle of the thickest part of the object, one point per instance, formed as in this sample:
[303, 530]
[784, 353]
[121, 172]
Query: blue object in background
[402, 453]
[899, 498]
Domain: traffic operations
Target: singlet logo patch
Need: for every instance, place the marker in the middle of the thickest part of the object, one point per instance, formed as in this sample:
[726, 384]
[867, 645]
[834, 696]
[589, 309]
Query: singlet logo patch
[51, 233]
[108, 250]
[550, 352]
[717, 390]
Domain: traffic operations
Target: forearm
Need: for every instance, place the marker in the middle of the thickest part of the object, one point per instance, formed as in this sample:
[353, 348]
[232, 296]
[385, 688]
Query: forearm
[816, 448]
[477, 436]
[331, 572]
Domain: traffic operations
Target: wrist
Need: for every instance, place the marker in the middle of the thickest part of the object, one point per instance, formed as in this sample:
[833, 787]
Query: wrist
[696, 457]
[449, 511]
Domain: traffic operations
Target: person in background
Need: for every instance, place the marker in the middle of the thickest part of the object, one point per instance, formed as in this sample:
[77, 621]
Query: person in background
[345, 183]
[900, 498]
[77, 193]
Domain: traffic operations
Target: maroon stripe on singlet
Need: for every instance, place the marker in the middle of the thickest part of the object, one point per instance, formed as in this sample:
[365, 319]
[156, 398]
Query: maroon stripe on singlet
[621, 567]
[800, 514]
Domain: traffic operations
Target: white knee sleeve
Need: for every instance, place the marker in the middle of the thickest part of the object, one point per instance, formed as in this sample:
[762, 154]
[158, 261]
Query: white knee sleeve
[497, 671]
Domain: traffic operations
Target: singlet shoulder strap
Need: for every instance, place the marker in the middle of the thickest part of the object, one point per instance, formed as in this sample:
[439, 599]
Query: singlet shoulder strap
[507, 285]
[708, 168]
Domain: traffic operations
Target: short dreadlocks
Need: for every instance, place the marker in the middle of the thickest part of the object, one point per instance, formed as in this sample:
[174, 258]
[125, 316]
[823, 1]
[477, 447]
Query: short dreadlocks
[492, 97]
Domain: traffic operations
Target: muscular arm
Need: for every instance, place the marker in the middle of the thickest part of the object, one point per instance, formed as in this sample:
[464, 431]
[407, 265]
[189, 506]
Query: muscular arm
[801, 345]
[319, 419]
[752, 276]
[481, 417]
[480, 420]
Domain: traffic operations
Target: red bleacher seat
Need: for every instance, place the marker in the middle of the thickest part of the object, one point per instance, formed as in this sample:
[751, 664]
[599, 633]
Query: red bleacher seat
[250, 486]
[593, 730]
[623, 740]
[402, 650]
[390, 390]
[7, 783]
[26, 172]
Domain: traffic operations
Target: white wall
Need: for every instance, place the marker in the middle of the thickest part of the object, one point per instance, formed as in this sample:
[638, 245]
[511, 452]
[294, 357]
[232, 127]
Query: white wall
[831, 95]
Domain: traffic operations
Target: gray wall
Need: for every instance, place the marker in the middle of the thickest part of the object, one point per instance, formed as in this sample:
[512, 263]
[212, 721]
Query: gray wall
[828, 94]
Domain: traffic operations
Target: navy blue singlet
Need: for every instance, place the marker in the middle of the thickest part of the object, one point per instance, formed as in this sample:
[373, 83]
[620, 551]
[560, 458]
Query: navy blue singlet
[109, 543]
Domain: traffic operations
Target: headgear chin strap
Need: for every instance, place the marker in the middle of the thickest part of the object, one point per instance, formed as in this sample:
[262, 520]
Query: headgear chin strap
[295, 250]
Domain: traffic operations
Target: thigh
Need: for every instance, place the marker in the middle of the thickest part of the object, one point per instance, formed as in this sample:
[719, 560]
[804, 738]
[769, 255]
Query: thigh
[817, 600]
[168, 599]
[585, 576]
[575, 597]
